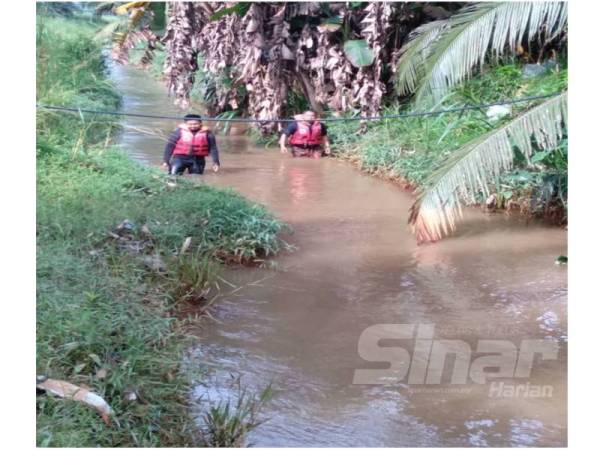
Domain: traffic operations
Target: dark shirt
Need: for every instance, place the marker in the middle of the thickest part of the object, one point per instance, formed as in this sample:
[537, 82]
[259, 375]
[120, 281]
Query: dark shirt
[293, 127]
[174, 137]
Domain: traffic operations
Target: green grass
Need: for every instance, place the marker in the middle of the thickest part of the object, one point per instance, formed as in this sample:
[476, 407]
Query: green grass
[227, 423]
[101, 307]
[92, 315]
[70, 70]
[85, 194]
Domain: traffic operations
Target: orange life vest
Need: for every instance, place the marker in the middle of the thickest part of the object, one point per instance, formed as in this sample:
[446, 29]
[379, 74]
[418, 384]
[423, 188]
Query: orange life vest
[192, 144]
[307, 135]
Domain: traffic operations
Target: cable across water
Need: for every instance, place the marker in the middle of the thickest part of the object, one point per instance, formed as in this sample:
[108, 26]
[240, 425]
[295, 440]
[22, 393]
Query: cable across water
[325, 119]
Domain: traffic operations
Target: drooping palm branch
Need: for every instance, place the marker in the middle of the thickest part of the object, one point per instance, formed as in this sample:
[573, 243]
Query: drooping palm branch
[410, 68]
[132, 28]
[476, 31]
[471, 168]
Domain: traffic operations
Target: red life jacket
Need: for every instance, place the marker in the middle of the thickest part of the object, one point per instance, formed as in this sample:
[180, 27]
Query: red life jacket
[192, 144]
[307, 135]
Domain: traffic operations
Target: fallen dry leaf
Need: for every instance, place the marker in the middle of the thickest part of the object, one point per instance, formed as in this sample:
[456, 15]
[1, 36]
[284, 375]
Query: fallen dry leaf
[67, 390]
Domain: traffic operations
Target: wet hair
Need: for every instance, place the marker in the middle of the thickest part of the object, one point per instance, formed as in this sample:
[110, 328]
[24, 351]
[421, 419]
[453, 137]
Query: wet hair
[192, 117]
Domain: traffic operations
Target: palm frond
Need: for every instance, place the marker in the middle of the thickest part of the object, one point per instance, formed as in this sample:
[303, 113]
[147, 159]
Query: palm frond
[414, 53]
[108, 31]
[479, 29]
[128, 32]
[471, 168]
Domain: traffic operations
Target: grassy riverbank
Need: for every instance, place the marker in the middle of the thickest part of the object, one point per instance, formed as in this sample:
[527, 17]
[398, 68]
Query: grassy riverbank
[106, 294]
[410, 149]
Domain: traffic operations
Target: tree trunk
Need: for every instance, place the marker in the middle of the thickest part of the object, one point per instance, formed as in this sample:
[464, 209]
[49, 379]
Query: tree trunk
[309, 92]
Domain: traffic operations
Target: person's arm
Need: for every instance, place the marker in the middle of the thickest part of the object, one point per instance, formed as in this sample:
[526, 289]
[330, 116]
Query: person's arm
[171, 141]
[326, 144]
[282, 146]
[291, 129]
[214, 151]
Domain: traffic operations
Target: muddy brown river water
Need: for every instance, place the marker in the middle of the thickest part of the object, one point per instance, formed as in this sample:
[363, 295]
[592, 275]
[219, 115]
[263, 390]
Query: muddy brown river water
[298, 323]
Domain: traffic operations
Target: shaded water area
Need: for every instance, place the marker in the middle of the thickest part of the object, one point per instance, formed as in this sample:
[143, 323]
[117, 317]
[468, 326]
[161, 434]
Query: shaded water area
[298, 323]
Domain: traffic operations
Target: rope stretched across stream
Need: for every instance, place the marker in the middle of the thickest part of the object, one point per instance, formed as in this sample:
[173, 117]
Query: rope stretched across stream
[325, 119]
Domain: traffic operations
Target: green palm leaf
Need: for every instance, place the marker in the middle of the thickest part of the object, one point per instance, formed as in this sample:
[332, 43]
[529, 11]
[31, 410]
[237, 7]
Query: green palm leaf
[471, 168]
[477, 30]
[414, 54]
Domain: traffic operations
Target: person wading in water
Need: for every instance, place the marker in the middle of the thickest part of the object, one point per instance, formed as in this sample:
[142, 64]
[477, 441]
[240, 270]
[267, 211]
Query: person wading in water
[307, 136]
[189, 145]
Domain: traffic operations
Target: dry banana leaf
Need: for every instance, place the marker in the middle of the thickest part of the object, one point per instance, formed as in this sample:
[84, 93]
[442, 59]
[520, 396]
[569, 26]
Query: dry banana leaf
[67, 390]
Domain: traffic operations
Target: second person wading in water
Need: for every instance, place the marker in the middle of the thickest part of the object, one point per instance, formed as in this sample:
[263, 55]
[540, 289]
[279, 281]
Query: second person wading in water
[189, 145]
[307, 136]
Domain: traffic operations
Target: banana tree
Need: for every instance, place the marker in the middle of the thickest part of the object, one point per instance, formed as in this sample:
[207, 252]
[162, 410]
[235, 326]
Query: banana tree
[334, 54]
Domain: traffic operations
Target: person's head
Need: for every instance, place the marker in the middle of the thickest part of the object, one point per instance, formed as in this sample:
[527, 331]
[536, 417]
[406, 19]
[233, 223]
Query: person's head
[193, 121]
[310, 116]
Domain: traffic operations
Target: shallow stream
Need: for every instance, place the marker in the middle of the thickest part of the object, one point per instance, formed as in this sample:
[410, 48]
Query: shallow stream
[298, 323]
